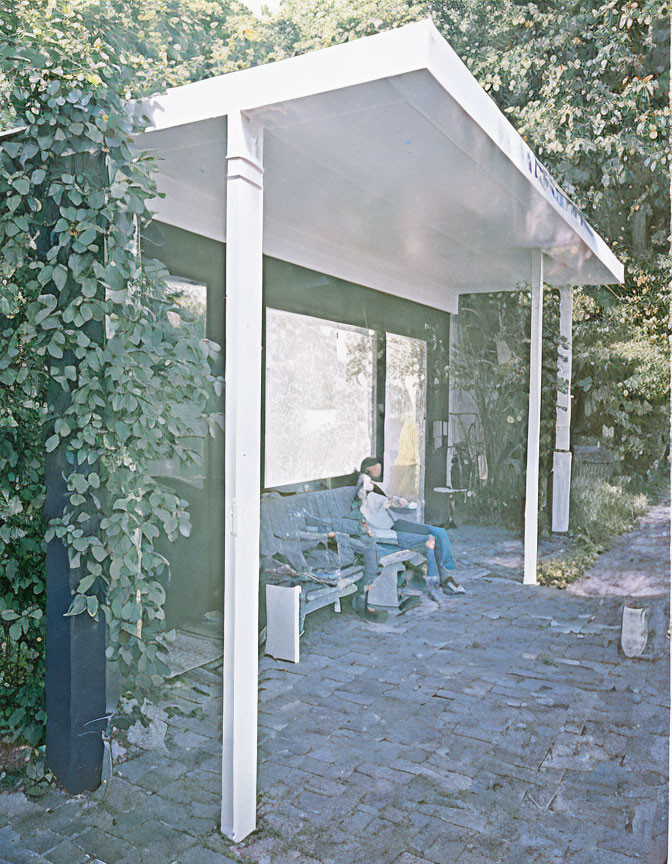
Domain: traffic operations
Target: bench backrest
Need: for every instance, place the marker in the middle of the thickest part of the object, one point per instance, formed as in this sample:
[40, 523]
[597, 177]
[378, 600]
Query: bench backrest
[283, 515]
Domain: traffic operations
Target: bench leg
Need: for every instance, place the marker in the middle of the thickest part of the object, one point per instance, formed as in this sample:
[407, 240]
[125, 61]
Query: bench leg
[383, 592]
[337, 605]
[282, 622]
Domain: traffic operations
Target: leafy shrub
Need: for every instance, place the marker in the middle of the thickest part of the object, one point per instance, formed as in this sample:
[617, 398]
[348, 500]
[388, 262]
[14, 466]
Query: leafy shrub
[94, 368]
[620, 389]
[605, 510]
[621, 395]
[490, 367]
[599, 514]
[22, 566]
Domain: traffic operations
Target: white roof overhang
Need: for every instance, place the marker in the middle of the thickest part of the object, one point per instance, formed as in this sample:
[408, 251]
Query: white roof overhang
[386, 164]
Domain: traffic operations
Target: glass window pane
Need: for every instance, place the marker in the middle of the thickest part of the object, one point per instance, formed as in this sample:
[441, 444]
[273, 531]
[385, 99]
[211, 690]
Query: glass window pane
[193, 298]
[320, 398]
[405, 401]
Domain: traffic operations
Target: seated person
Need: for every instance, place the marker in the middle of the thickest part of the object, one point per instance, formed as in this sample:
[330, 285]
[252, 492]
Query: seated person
[374, 503]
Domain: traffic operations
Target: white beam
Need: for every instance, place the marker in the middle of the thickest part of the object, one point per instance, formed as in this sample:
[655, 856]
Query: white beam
[242, 481]
[533, 420]
[562, 457]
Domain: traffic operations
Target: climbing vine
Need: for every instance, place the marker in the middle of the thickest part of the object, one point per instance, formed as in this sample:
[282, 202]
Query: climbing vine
[96, 370]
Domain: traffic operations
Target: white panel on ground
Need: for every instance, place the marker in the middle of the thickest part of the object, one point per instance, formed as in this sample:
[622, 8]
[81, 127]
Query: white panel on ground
[282, 622]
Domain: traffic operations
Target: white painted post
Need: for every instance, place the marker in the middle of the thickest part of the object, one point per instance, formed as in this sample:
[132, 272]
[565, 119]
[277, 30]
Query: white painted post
[244, 227]
[562, 457]
[533, 420]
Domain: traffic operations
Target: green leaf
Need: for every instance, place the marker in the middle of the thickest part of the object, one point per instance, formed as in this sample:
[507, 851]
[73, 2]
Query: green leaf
[60, 276]
[99, 553]
[86, 582]
[43, 314]
[22, 186]
[62, 427]
[43, 277]
[77, 607]
[52, 443]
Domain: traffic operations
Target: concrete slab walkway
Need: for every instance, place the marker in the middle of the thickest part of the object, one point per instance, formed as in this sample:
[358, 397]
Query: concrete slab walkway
[502, 726]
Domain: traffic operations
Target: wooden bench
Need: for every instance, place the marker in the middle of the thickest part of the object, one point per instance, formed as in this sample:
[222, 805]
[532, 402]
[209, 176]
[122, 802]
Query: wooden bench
[289, 523]
[285, 522]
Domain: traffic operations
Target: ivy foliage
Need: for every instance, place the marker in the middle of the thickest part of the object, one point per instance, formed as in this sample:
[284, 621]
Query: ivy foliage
[94, 370]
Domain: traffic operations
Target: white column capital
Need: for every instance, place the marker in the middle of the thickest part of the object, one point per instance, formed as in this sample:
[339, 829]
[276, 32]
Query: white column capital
[245, 140]
[536, 267]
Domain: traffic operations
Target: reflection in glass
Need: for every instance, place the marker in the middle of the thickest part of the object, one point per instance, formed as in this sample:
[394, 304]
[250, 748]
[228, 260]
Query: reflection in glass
[192, 297]
[320, 398]
[405, 410]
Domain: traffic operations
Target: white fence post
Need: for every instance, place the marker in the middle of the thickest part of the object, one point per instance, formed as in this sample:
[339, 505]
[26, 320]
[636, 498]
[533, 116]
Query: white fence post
[533, 420]
[244, 228]
[562, 457]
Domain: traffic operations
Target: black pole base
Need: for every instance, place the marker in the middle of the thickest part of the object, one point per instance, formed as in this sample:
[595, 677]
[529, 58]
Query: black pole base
[75, 682]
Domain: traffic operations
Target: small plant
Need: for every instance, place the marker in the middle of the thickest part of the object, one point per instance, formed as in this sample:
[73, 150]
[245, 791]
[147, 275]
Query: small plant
[600, 513]
[604, 511]
[561, 572]
[23, 769]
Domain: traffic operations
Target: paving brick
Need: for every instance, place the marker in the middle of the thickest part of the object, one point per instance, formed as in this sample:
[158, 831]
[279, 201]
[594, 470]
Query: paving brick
[66, 853]
[106, 847]
[155, 838]
[14, 851]
[41, 840]
[439, 736]
[203, 855]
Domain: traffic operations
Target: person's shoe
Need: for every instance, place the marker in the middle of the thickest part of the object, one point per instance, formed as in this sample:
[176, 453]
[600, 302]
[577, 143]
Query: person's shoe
[449, 585]
[409, 602]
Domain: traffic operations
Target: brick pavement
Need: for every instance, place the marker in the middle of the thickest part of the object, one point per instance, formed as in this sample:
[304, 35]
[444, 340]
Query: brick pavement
[502, 726]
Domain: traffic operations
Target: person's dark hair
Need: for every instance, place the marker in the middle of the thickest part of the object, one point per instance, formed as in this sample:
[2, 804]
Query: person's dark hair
[369, 462]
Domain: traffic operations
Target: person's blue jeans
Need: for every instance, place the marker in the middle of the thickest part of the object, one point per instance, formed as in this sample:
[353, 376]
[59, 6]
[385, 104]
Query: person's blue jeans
[407, 536]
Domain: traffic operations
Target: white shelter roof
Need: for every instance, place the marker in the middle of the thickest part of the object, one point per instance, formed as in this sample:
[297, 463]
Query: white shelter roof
[386, 164]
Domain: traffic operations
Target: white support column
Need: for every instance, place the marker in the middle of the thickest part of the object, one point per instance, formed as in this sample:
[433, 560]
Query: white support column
[533, 420]
[562, 457]
[244, 226]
